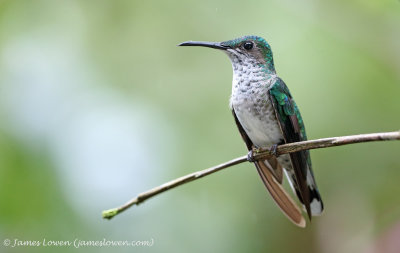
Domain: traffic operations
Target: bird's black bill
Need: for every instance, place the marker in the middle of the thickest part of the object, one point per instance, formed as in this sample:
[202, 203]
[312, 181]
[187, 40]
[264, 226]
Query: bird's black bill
[216, 45]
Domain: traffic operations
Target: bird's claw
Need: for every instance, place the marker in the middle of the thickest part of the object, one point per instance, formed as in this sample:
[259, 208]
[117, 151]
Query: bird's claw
[250, 156]
[273, 151]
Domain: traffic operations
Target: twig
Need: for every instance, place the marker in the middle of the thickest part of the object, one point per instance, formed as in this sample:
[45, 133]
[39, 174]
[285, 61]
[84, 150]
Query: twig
[260, 155]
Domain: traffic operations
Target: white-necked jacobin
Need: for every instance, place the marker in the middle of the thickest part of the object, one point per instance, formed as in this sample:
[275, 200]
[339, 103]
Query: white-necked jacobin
[266, 115]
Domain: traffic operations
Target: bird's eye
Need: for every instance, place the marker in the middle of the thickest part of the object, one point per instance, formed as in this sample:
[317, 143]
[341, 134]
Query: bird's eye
[248, 45]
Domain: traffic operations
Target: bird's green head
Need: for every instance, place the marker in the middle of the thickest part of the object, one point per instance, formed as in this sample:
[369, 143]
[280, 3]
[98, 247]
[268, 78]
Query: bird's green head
[246, 49]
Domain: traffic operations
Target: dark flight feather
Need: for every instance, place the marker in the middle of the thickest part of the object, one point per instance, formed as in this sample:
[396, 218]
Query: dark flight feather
[293, 130]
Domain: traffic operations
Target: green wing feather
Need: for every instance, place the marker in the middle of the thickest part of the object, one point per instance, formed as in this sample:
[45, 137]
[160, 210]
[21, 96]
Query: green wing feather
[293, 130]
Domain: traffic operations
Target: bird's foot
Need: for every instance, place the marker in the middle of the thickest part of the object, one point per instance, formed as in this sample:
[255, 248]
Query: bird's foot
[251, 155]
[273, 151]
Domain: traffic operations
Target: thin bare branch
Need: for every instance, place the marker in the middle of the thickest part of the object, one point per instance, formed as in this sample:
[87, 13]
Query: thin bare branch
[263, 154]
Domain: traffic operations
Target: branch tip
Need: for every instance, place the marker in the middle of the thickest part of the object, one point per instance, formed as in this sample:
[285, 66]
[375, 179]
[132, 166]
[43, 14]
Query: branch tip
[110, 213]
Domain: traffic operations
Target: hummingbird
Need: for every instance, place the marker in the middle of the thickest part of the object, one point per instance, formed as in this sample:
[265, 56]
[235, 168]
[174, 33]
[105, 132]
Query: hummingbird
[266, 116]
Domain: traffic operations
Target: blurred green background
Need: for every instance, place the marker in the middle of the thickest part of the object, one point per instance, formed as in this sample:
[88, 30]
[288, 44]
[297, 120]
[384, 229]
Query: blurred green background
[97, 104]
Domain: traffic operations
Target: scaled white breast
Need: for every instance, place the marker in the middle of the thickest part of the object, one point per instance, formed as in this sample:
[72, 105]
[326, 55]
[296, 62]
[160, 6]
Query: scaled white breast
[251, 103]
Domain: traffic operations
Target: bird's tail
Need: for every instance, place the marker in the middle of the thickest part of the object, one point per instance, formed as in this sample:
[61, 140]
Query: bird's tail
[281, 197]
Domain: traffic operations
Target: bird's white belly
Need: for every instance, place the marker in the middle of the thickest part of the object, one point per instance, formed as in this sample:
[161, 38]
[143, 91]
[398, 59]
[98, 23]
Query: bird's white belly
[258, 120]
